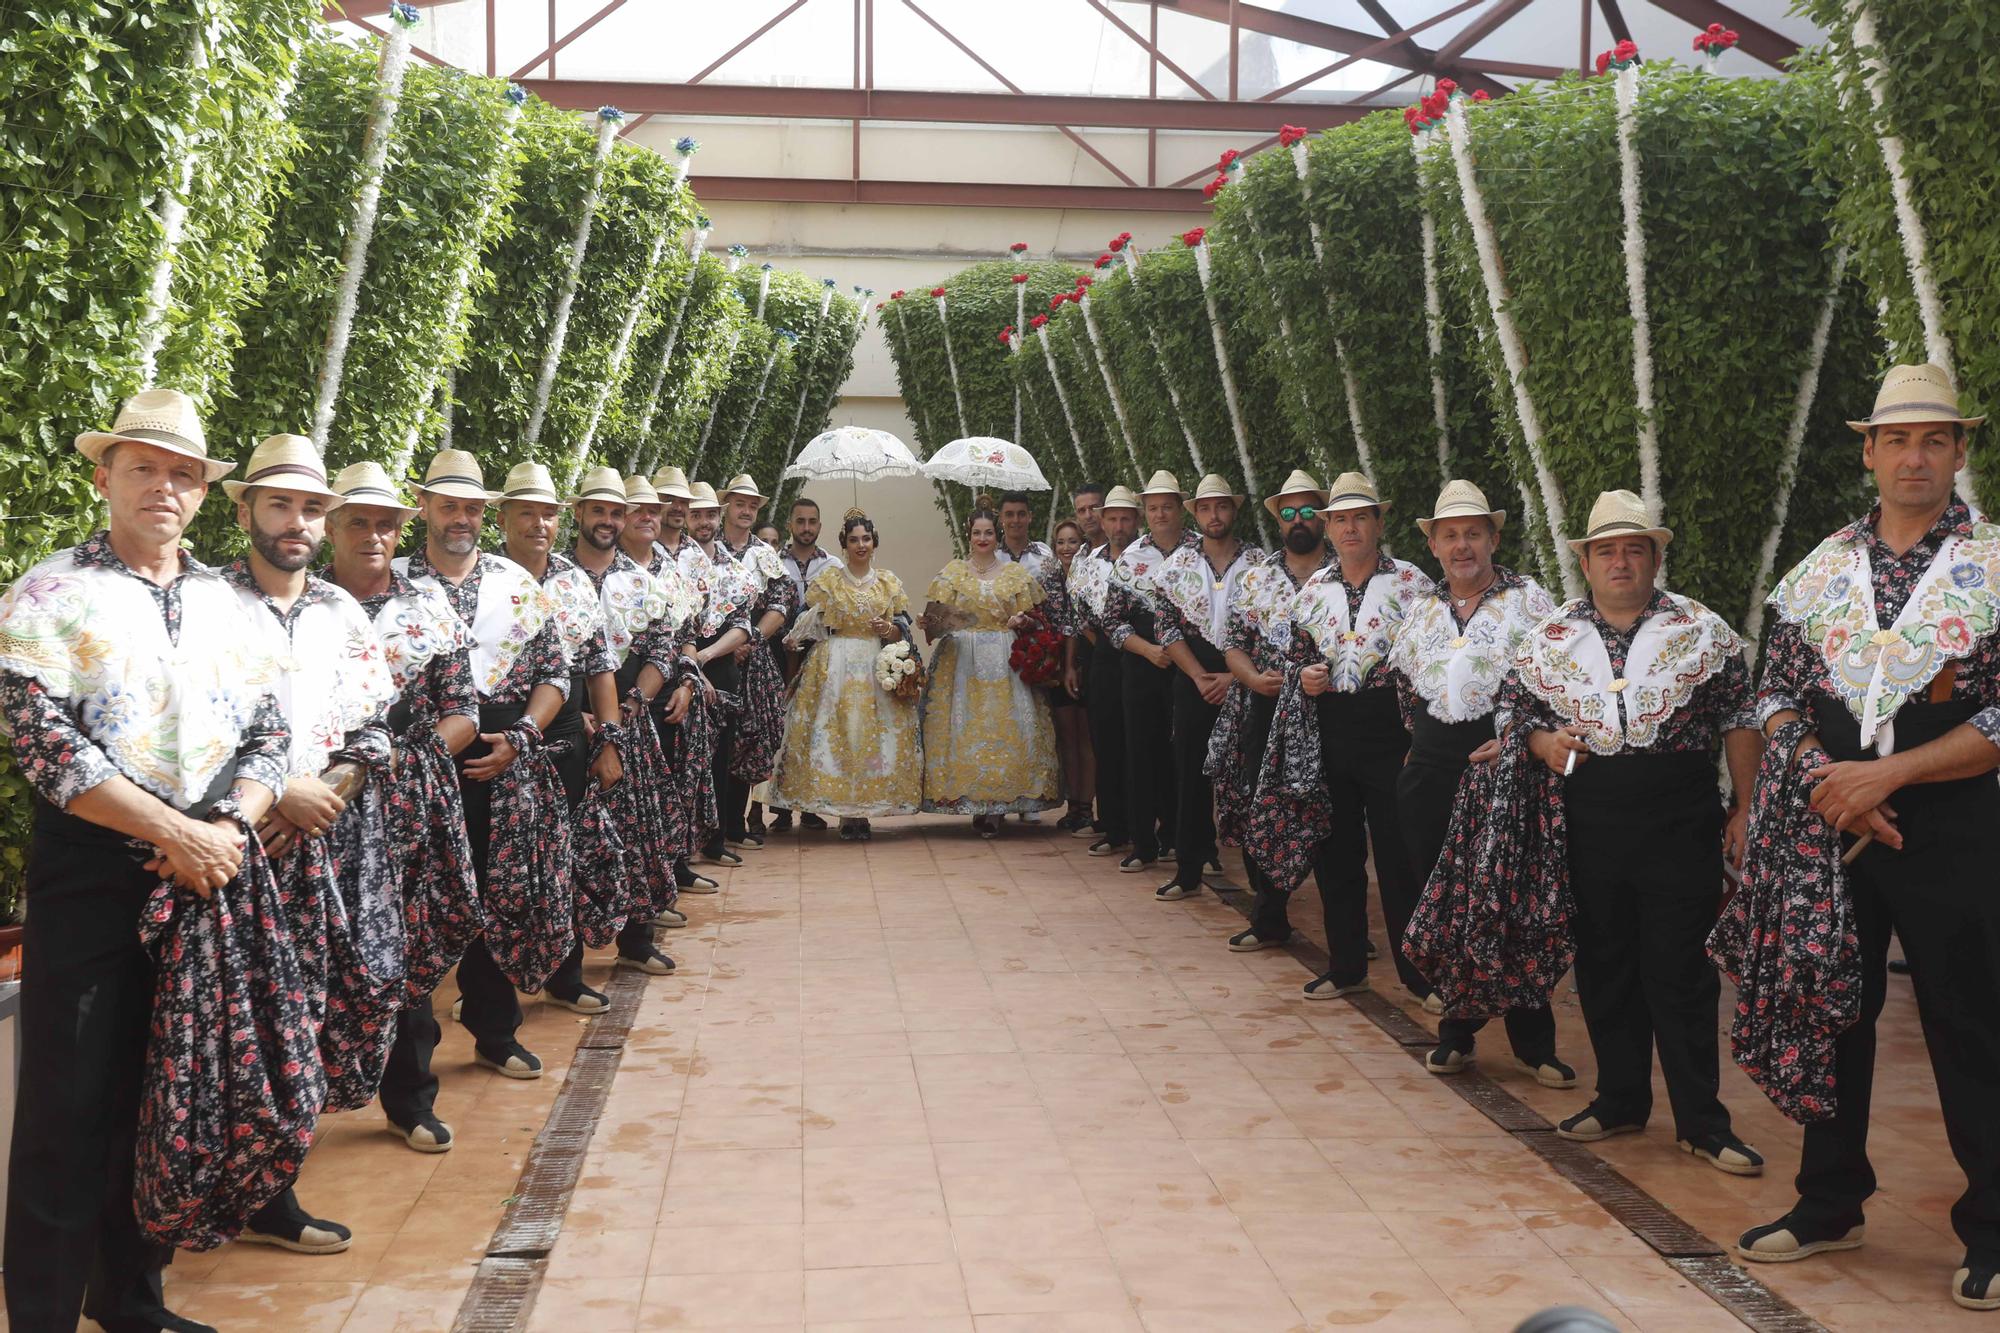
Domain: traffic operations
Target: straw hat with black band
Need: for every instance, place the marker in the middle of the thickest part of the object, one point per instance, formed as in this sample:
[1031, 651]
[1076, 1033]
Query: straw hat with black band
[1352, 490]
[1299, 483]
[530, 482]
[1462, 499]
[1121, 497]
[368, 484]
[601, 483]
[701, 495]
[285, 463]
[746, 485]
[1916, 393]
[163, 418]
[1621, 514]
[639, 491]
[672, 484]
[1212, 487]
[1163, 483]
[455, 473]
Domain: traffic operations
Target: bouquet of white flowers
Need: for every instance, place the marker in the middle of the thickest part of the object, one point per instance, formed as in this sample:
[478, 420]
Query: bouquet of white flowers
[898, 670]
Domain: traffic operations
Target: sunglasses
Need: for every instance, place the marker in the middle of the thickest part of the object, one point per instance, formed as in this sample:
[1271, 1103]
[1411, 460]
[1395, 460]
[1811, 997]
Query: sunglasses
[1294, 513]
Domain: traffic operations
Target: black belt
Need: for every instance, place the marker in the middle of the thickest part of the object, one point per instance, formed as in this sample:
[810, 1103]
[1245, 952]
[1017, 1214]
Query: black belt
[1447, 744]
[1640, 783]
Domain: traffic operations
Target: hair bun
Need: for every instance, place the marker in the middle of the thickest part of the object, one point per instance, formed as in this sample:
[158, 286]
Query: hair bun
[856, 512]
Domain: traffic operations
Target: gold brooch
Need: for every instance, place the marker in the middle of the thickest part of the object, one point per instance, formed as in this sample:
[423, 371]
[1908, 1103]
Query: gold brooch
[1618, 686]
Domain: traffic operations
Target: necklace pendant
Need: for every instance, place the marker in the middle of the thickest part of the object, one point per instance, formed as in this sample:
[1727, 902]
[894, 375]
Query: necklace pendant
[1460, 641]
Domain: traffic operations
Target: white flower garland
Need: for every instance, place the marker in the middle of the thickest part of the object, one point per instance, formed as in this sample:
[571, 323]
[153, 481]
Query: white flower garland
[354, 257]
[1242, 432]
[1788, 468]
[1295, 372]
[1130, 254]
[1627, 88]
[805, 381]
[763, 290]
[757, 403]
[1110, 385]
[152, 323]
[1014, 342]
[729, 342]
[612, 378]
[1457, 135]
[695, 244]
[461, 292]
[951, 362]
[1433, 317]
[925, 435]
[1909, 223]
[607, 128]
[1362, 450]
[1062, 396]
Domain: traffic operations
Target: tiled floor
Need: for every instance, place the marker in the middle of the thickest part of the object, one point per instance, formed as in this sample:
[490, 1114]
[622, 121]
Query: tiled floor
[940, 1083]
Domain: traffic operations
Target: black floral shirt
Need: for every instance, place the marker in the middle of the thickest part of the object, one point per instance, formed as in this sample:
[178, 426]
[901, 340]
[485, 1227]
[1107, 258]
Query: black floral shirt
[594, 658]
[1723, 702]
[779, 593]
[1041, 561]
[1174, 625]
[446, 688]
[1794, 669]
[1245, 637]
[541, 662]
[60, 760]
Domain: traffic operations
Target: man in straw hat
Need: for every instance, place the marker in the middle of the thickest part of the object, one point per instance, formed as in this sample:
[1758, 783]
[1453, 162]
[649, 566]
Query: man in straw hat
[427, 650]
[1131, 620]
[760, 661]
[1090, 587]
[1627, 694]
[523, 678]
[1351, 738]
[1457, 641]
[125, 614]
[1192, 591]
[726, 634]
[335, 689]
[1883, 676]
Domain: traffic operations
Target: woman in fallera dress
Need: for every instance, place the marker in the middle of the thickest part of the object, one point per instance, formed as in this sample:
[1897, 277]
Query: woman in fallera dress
[851, 747]
[990, 745]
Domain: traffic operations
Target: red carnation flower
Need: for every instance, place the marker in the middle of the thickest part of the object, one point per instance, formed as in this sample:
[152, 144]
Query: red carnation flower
[896, 296]
[1038, 321]
[1447, 86]
[1020, 278]
[1410, 115]
[1006, 336]
[1290, 134]
[1603, 61]
[1482, 96]
[1228, 155]
[1625, 50]
[1192, 237]
[1715, 30]
[1729, 37]
[1019, 247]
[1208, 191]
[1055, 302]
[1084, 280]
[1117, 244]
[937, 291]
[1103, 261]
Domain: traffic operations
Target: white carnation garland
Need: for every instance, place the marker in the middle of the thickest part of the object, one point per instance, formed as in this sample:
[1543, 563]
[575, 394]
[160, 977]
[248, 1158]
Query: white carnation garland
[694, 248]
[1433, 316]
[1236, 425]
[1362, 450]
[608, 119]
[1627, 89]
[1130, 254]
[1062, 396]
[729, 345]
[152, 322]
[1110, 385]
[1457, 136]
[785, 338]
[354, 255]
[619, 349]
[951, 363]
[763, 290]
[1296, 373]
[1788, 468]
[805, 381]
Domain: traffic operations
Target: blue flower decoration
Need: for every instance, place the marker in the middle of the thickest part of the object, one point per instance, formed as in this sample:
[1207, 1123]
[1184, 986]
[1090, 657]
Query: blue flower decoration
[828, 282]
[516, 94]
[686, 145]
[1967, 575]
[610, 113]
[739, 250]
[701, 222]
[404, 14]
[767, 267]
[788, 335]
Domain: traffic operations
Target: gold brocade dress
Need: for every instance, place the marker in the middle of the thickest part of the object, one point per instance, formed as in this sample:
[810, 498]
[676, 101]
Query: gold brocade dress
[850, 747]
[989, 745]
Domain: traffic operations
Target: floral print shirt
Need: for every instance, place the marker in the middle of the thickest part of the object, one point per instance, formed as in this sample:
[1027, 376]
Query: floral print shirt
[364, 744]
[541, 662]
[1187, 579]
[1041, 561]
[1721, 703]
[1130, 603]
[446, 688]
[58, 757]
[1794, 668]
[1408, 701]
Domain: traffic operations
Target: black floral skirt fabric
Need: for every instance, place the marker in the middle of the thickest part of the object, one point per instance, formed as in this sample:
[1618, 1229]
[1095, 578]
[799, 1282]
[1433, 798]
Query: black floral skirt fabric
[1235, 753]
[233, 1078]
[530, 895]
[425, 818]
[1492, 928]
[603, 896]
[365, 948]
[761, 725]
[645, 809]
[1787, 939]
[689, 749]
[1291, 812]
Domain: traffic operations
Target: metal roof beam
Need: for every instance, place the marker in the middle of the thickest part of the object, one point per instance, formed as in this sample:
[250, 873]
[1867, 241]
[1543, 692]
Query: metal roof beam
[1753, 38]
[946, 194]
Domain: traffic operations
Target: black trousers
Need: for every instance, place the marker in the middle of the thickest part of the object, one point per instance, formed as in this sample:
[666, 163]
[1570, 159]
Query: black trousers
[1104, 700]
[1642, 924]
[1425, 792]
[1147, 696]
[1194, 794]
[1362, 744]
[1937, 896]
[73, 1243]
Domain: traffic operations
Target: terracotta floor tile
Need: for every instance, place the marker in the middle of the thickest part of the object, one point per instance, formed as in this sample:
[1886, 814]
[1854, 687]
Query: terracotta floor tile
[679, 1251]
[1043, 1286]
[901, 1292]
[722, 1300]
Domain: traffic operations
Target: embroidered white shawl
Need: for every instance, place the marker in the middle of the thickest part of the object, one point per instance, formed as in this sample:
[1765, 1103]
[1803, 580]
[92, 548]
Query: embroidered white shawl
[1830, 596]
[332, 677]
[169, 716]
[511, 612]
[1458, 673]
[1353, 639]
[732, 588]
[1187, 581]
[415, 627]
[1090, 580]
[579, 612]
[1563, 662]
[634, 599]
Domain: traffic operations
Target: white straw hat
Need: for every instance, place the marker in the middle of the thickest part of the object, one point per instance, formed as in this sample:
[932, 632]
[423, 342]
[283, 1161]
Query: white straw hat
[600, 483]
[285, 463]
[1163, 483]
[1915, 393]
[1299, 483]
[530, 481]
[163, 418]
[672, 484]
[1352, 490]
[1120, 497]
[1212, 487]
[639, 491]
[368, 483]
[456, 473]
[743, 484]
[701, 495]
[1621, 514]
[1462, 499]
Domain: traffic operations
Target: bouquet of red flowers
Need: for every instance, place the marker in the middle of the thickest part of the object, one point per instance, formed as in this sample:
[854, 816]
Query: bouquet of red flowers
[1038, 651]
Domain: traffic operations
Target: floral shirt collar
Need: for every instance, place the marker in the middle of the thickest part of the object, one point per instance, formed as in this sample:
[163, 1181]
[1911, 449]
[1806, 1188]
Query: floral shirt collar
[317, 590]
[1503, 579]
[97, 553]
[1895, 576]
[464, 597]
[1618, 642]
[399, 586]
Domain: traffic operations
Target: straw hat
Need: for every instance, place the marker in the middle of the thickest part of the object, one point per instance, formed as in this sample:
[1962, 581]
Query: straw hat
[163, 418]
[1212, 487]
[672, 484]
[530, 481]
[1462, 499]
[285, 463]
[456, 473]
[600, 483]
[1163, 483]
[1352, 490]
[639, 491]
[1120, 497]
[701, 495]
[1621, 514]
[369, 484]
[743, 484]
[1915, 393]
[1299, 483]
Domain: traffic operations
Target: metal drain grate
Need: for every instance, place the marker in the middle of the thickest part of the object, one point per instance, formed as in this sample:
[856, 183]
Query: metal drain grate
[1745, 1297]
[1648, 1218]
[1500, 1106]
[612, 1027]
[502, 1295]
